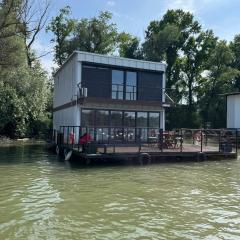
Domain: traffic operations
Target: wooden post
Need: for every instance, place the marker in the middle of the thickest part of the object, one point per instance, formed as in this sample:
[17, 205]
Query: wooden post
[201, 140]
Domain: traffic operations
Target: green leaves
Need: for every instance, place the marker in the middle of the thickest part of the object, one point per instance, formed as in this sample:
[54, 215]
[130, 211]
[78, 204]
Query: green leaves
[24, 97]
[62, 26]
[97, 34]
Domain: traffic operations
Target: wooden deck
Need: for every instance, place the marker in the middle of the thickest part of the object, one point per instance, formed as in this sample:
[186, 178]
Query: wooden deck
[151, 154]
[178, 145]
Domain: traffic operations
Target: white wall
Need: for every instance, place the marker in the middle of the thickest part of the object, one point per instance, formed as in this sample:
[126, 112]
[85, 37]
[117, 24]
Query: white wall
[233, 111]
[65, 91]
[65, 83]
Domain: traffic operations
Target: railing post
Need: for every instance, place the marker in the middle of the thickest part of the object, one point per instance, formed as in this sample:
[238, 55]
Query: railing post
[79, 135]
[219, 141]
[67, 135]
[236, 141]
[73, 138]
[201, 140]
[161, 139]
[181, 141]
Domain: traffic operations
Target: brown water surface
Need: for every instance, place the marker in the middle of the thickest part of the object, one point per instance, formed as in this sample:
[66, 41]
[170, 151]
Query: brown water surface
[42, 197]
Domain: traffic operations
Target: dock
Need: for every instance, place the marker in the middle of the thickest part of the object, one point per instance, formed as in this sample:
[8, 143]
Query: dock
[150, 146]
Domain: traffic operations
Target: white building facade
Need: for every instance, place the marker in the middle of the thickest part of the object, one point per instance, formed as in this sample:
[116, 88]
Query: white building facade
[96, 90]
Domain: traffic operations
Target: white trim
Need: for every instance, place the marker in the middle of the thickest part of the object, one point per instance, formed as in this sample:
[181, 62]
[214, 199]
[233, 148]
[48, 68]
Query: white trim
[120, 61]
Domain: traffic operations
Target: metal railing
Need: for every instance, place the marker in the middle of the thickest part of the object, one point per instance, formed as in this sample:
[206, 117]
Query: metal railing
[148, 139]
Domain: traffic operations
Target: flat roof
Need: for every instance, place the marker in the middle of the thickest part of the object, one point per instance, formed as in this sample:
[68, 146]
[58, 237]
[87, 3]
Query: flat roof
[116, 61]
[230, 94]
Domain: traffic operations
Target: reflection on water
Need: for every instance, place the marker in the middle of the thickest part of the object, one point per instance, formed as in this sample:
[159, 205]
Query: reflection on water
[44, 198]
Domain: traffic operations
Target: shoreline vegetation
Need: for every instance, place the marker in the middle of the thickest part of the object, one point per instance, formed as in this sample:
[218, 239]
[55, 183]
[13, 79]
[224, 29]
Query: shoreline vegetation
[8, 142]
[201, 67]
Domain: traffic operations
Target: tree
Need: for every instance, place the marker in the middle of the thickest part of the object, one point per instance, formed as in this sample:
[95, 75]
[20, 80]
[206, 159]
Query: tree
[196, 53]
[33, 19]
[235, 47]
[129, 46]
[24, 91]
[62, 27]
[218, 80]
[97, 35]
[10, 38]
[165, 38]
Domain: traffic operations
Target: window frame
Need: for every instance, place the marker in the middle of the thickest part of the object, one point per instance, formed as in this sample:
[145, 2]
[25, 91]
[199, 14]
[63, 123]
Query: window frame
[124, 92]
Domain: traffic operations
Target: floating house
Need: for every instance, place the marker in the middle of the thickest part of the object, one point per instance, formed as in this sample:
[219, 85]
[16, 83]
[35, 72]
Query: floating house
[108, 108]
[233, 110]
[99, 91]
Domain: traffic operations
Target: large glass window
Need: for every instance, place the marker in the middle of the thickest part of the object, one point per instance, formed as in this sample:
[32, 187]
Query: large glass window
[117, 84]
[131, 86]
[116, 118]
[142, 124]
[154, 120]
[116, 125]
[88, 122]
[129, 119]
[102, 118]
[142, 119]
[129, 123]
[88, 117]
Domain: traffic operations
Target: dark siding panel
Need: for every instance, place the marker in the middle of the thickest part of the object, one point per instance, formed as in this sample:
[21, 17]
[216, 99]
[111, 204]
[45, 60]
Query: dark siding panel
[150, 86]
[97, 81]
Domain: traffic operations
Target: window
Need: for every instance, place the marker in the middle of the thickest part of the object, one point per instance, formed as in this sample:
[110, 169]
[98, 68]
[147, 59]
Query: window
[129, 119]
[87, 117]
[102, 118]
[142, 122]
[131, 86]
[129, 123]
[142, 119]
[154, 120]
[116, 124]
[117, 84]
[116, 118]
[124, 85]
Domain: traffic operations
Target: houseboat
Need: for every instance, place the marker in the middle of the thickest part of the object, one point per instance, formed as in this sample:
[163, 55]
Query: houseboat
[108, 107]
[99, 91]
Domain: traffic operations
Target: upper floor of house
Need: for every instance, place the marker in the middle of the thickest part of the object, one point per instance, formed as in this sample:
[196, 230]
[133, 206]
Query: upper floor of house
[109, 78]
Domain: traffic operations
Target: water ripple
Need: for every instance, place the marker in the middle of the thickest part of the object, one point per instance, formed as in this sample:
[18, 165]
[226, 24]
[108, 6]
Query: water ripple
[42, 198]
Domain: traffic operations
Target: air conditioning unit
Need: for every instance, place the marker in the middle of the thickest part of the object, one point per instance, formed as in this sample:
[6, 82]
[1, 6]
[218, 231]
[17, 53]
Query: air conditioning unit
[83, 92]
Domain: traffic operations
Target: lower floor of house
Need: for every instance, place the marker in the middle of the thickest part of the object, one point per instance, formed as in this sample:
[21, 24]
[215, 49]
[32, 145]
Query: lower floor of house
[114, 124]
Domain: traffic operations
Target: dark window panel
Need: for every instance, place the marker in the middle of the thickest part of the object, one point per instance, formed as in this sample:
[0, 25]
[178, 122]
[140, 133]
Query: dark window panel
[141, 119]
[129, 119]
[102, 118]
[149, 86]
[154, 120]
[116, 118]
[87, 118]
[95, 78]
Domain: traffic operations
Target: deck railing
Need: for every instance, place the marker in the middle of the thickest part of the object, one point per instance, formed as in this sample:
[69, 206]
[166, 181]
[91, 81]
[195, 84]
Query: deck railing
[132, 139]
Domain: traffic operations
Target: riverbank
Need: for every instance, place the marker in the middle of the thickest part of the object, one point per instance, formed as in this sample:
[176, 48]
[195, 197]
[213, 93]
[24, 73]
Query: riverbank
[5, 141]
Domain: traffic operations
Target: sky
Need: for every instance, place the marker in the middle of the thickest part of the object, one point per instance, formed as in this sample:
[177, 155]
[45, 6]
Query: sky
[133, 16]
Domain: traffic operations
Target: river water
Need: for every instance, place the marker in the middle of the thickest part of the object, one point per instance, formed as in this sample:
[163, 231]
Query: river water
[42, 197]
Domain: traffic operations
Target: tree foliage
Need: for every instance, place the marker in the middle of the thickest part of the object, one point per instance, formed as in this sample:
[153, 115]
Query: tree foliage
[96, 34]
[24, 89]
[200, 67]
